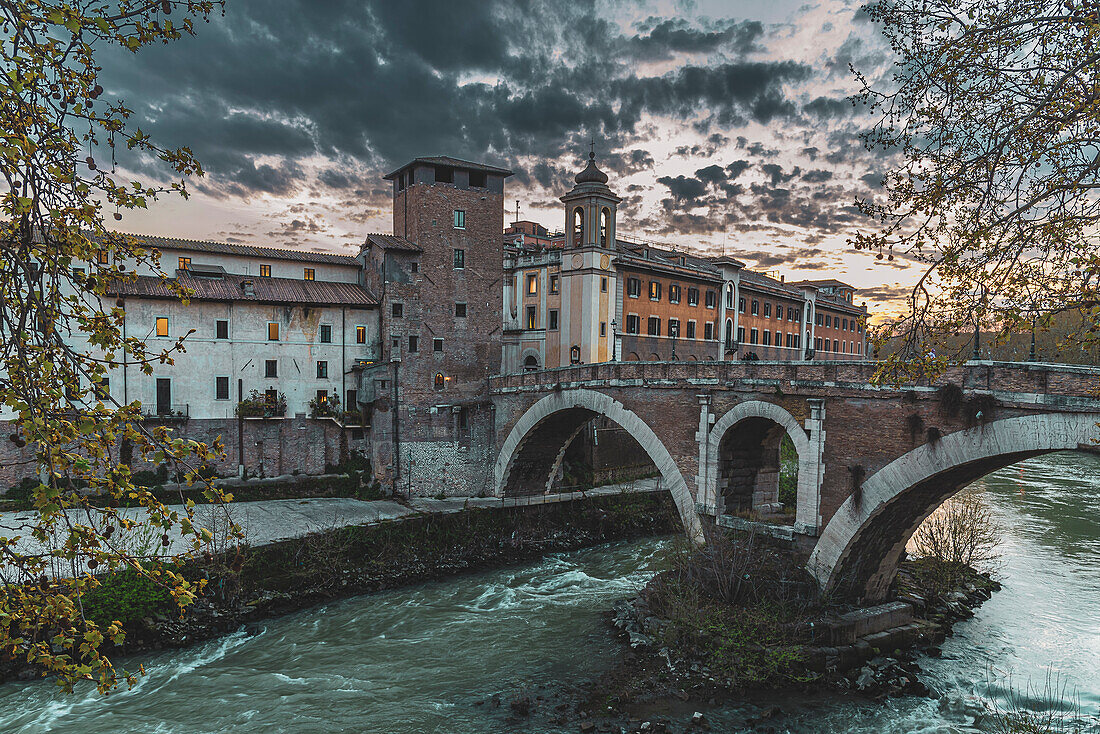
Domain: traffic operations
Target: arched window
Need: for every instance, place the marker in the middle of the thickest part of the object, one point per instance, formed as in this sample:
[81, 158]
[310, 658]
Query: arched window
[440, 381]
[729, 295]
[531, 364]
[605, 225]
[729, 333]
[578, 226]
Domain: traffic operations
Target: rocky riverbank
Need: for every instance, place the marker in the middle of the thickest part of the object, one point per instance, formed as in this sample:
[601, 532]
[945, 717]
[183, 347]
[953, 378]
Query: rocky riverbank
[254, 584]
[771, 641]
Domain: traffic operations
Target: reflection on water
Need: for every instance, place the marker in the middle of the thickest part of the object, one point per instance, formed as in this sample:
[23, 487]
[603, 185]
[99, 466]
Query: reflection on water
[416, 659]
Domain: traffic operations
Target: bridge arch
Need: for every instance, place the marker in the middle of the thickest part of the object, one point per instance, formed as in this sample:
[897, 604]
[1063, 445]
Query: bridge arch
[535, 446]
[764, 425]
[858, 552]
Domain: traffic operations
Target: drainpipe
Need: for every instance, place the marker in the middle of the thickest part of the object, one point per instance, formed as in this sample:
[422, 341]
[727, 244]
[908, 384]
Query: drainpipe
[343, 356]
[240, 429]
[125, 359]
[396, 426]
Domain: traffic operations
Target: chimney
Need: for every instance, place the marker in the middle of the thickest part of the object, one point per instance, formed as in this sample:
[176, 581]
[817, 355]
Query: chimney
[247, 287]
[782, 278]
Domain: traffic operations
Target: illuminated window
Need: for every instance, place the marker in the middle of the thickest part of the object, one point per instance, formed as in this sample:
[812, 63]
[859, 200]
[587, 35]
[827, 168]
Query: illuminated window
[265, 271]
[308, 275]
[440, 381]
[674, 293]
[554, 283]
[532, 318]
[654, 290]
[360, 335]
[532, 284]
[272, 332]
[162, 326]
[185, 263]
[104, 258]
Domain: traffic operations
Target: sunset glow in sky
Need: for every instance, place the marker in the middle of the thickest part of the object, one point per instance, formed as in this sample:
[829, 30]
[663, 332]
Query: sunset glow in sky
[723, 125]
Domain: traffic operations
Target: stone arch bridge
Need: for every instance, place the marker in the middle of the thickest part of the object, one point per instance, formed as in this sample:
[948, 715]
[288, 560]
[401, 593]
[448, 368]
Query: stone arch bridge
[873, 461]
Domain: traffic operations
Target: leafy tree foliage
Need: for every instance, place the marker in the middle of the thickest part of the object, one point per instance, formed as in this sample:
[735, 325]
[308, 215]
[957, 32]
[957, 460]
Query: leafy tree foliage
[994, 107]
[61, 328]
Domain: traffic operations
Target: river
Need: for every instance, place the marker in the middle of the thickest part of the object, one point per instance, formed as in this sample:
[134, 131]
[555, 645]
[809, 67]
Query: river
[418, 659]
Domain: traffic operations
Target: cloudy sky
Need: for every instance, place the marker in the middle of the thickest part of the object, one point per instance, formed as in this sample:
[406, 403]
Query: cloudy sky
[723, 124]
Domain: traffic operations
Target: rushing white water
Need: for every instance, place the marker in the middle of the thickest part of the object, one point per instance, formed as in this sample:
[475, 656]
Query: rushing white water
[417, 659]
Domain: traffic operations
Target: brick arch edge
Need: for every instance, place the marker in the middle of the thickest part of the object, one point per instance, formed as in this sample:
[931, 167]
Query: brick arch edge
[1010, 437]
[597, 402]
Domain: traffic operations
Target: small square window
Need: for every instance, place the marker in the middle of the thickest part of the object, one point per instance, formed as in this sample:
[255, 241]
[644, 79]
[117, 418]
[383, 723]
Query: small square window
[552, 322]
[460, 310]
[459, 258]
[265, 271]
[398, 310]
[460, 219]
[273, 332]
[360, 335]
[554, 283]
[437, 345]
[104, 258]
[322, 369]
[414, 344]
[326, 334]
[221, 329]
[185, 263]
[221, 388]
[162, 326]
[532, 284]
[308, 275]
[271, 368]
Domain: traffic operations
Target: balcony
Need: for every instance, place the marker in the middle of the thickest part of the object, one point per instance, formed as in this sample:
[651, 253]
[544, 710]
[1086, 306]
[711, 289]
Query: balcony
[167, 412]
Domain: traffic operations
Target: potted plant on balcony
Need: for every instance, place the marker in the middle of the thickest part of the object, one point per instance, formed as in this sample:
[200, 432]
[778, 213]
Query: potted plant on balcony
[325, 407]
[262, 405]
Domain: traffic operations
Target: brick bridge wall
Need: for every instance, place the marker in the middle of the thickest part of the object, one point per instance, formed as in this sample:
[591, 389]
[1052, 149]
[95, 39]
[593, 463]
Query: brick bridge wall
[865, 427]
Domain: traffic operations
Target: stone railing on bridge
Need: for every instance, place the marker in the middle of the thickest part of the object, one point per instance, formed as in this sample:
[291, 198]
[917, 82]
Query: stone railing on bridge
[1064, 385]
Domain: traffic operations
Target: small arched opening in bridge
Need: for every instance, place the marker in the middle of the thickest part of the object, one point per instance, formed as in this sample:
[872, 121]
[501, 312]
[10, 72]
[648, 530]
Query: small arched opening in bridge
[532, 454]
[858, 552]
[755, 451]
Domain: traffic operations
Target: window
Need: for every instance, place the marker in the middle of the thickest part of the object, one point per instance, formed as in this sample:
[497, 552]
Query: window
[740, 334]
[693, 296]
[322, 370]
[532, 318]
[788, 344]
[767, 310]
[360, 335]
[221, 329]
[265, 271]
[779, 310]
[674, 327]
[532, 284]
[162, 326]
[603, 328]
[605, 225]
[817, 343]
[460, 310]
[326, 334]
[755, 309]
[817, 319]
[767, 338]
[460, 219]
[778, 337]
[740, 305]
[729, 295]
[414, 266]
[633, 323]
[104, 258]
[531, 364]
[102, 389]
[797, 315]
[754, 336]
[654, 290]
[459, 258]
[835, 345]
[712, 299]
[322, 397]
[654, 326]
[437, 345]
[603, 285]
[790, 314]
[691, 330]
[674, 293]
[351, 401]
[633, 287]
[272, 332]
[554, 283]
[552, 320]
[221, 388]
[414, 344]
[185, 263]
[578, 226]
[440, 381]
[307, 274]
[398, 310]
[708, 331]
[271, 368]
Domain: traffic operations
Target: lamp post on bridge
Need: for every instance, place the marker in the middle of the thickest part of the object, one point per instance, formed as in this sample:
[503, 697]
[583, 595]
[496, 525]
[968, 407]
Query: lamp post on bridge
[978, 327]
[614, 340]
[674, 331]
[1031, 355]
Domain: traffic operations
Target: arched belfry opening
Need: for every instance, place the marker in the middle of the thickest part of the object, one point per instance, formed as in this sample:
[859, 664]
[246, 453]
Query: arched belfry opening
[590, 209]
[578, 227]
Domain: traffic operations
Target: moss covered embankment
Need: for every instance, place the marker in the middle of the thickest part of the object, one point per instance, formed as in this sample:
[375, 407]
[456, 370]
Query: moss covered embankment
[253, 584]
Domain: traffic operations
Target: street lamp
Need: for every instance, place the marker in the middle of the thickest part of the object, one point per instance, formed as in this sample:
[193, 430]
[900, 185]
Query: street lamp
[978, 327]
[1031, 355]
[674, 331]
[614, 339]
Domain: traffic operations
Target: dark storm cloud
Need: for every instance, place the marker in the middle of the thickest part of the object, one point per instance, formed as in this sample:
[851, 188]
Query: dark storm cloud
[381, 82]
[826, 108]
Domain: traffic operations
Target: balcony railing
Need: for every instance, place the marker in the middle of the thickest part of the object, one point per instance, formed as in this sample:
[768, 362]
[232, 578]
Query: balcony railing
[175, 411]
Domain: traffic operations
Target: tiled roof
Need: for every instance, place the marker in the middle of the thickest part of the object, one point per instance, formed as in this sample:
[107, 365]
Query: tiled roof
[635, 254]
[824, 283]
[393, 242]
[263, 290]
[228, 248]
[446, 160]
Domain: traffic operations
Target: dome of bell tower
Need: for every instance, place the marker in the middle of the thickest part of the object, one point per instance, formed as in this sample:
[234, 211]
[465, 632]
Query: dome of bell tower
[591, 173]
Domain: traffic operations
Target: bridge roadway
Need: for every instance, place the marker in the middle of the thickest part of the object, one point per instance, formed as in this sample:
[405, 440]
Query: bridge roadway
[873, 460]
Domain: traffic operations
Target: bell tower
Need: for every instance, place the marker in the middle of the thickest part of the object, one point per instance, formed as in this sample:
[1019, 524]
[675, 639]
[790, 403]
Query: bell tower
[588, 280]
